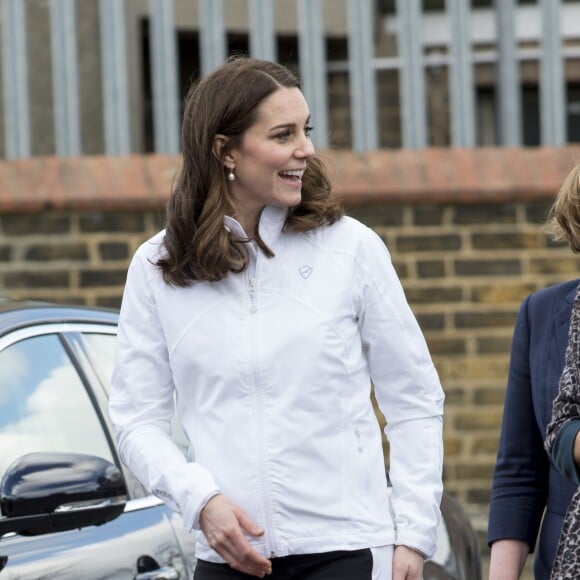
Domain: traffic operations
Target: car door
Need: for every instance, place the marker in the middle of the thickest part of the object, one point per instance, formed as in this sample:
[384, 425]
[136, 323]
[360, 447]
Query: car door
[51, 400]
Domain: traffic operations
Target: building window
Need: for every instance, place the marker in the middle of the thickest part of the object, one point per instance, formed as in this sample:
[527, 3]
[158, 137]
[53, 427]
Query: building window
[573, 116]
[531, 115]
[486, 124]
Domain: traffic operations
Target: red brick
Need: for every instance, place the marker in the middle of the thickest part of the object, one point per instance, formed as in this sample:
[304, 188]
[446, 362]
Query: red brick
[433, 176]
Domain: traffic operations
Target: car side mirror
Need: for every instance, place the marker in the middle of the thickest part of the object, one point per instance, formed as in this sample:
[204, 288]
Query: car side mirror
[42, 493]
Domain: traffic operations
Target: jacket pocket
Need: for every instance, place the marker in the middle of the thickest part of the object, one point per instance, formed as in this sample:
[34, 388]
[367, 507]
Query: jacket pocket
[362, 459]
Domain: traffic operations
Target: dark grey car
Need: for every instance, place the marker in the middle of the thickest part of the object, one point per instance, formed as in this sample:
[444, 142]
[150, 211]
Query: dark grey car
[69, 509]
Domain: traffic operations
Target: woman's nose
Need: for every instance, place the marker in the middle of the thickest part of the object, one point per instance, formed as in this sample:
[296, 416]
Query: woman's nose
[305, 149]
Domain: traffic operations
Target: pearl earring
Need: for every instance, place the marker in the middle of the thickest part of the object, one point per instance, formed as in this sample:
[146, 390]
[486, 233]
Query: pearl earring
[231, 176]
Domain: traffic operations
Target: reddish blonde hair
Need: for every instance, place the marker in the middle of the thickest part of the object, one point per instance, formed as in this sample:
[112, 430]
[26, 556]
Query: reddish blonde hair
[564, 217]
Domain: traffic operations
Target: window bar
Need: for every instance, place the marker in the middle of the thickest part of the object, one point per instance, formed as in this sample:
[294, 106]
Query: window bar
[313, 74]
[509, 94]
[461, 76]
[213, 35]
[65, 77]
[552, 83]
[164, 66]
[115, 75]
[362, 75]
[15, 80]
[411, 75]
[262, 36]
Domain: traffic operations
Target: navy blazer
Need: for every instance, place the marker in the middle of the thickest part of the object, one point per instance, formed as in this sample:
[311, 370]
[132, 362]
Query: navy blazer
[525, 482]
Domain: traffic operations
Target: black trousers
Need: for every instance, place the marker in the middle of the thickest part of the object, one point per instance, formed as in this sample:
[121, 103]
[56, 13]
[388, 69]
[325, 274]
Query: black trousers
[342, 565]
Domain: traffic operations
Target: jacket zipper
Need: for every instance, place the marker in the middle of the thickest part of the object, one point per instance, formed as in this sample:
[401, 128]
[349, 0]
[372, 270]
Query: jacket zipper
[253, 287]
[269, 533]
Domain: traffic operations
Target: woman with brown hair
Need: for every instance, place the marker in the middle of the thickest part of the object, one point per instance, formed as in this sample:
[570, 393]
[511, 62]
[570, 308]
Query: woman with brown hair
[261, 314]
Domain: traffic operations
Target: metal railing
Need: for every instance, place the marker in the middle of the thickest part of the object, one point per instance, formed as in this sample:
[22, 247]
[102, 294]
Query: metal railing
[362, 67]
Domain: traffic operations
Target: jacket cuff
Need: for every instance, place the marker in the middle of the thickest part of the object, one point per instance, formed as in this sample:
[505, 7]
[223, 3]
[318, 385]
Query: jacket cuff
[416, 542]
[563, 450]
[195, 524]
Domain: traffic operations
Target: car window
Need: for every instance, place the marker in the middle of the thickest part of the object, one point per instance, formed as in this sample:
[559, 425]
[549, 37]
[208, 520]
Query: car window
[101, 352]
[44, 405]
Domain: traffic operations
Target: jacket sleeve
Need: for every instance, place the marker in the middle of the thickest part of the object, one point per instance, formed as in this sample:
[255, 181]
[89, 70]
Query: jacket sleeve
[142, 403]
[409, 394]
[563, 427]
[520, 480]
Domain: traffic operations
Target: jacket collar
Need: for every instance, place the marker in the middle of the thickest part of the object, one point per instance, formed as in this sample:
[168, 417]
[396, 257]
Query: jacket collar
[272, 221]
[562, 319]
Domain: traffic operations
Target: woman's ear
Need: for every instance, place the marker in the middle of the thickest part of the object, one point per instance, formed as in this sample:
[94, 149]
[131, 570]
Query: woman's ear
[221, 151]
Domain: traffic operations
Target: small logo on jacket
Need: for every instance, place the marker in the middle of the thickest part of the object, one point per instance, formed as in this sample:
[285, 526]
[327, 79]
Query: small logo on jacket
[305, 271]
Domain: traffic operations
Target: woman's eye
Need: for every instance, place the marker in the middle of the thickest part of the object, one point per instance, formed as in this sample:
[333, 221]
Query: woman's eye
[308, 129]
[283, 135]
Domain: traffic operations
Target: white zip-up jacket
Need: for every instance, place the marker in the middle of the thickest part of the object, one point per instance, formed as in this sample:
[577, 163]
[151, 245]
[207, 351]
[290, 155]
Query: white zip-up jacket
[271, 371]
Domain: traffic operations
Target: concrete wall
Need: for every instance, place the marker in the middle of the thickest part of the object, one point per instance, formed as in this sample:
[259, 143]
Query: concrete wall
[464, 227]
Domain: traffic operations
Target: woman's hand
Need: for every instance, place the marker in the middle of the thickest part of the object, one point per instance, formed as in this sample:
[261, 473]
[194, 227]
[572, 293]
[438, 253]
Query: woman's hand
[223, 524]
[407, 564]
[576, 448]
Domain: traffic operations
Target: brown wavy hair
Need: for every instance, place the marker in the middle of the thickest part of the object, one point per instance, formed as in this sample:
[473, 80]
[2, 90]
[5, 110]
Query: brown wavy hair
[198, 247]
[564, 217]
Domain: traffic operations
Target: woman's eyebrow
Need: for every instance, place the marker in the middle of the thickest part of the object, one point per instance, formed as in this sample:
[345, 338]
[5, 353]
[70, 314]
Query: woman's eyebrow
[286, 125]
[282, 126]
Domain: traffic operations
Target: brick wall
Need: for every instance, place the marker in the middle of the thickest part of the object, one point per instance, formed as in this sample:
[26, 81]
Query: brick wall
[464, 227]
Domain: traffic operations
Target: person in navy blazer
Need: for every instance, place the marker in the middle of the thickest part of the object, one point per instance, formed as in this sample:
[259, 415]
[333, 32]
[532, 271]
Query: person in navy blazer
[529, 496]
[526, 484]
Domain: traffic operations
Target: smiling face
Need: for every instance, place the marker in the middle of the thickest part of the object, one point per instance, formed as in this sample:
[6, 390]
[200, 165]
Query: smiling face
[271, 157]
